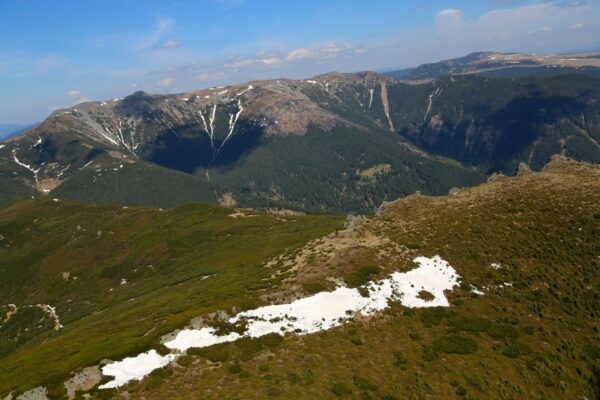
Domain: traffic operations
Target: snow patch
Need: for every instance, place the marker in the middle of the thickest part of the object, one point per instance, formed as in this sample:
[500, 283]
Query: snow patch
[198, 338]
[250, 87]
[87, 164]
[29, 167]
[210, 127]
[134, 368]
[316, 313]
[477, 291]
[233, 118]
[51, 311]
[327, 310]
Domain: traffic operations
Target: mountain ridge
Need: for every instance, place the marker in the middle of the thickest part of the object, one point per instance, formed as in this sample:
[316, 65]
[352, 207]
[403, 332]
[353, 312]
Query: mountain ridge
[227, 139]
[216, 128]
[496, 64]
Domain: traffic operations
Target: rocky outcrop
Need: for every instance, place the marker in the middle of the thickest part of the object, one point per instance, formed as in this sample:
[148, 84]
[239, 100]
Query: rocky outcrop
[85, 380]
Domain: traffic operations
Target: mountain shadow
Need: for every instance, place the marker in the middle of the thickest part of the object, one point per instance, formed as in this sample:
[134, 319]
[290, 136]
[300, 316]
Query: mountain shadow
[188, 147]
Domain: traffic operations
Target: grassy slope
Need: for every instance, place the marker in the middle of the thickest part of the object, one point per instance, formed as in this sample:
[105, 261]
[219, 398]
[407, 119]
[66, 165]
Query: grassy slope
[536, 339]
[162, 255]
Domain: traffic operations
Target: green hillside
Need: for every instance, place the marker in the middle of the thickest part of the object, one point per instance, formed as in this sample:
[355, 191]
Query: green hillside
[523, 323]
[530, 244]
[120, 278]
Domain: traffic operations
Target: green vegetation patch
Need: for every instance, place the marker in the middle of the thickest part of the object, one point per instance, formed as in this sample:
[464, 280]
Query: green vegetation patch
[120, 278]
[361, 275]
[371, 173]
[454, 344]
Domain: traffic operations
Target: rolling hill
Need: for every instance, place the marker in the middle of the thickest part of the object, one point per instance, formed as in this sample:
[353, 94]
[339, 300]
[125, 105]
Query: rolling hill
[83, 285]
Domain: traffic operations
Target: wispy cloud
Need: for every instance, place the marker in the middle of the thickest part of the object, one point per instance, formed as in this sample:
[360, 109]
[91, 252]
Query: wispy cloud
[300, 54]
[151, 39]
[228, 4]
[449, 22]
[165, 82]
[25, 65]
[170, 44]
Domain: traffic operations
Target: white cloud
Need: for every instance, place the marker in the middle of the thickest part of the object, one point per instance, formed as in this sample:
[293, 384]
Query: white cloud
[238, 64]
[161, 28]
[73, 93]
[170, 44]
[578, 25]
[299, 54]
[324, 51]
[449, 22]
[269, 61]
[543, 26]
[207, 77]
[165, 82]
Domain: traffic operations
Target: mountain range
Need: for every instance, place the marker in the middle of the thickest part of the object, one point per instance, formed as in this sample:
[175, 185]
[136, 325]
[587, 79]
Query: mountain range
[338, 142]
[504, 65]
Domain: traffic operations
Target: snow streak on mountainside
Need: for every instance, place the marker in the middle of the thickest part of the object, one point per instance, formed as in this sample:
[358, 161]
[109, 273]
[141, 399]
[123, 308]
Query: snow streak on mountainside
[135, 127]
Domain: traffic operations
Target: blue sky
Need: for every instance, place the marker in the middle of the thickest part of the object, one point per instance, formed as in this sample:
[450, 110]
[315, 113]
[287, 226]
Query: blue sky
[57, 53]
